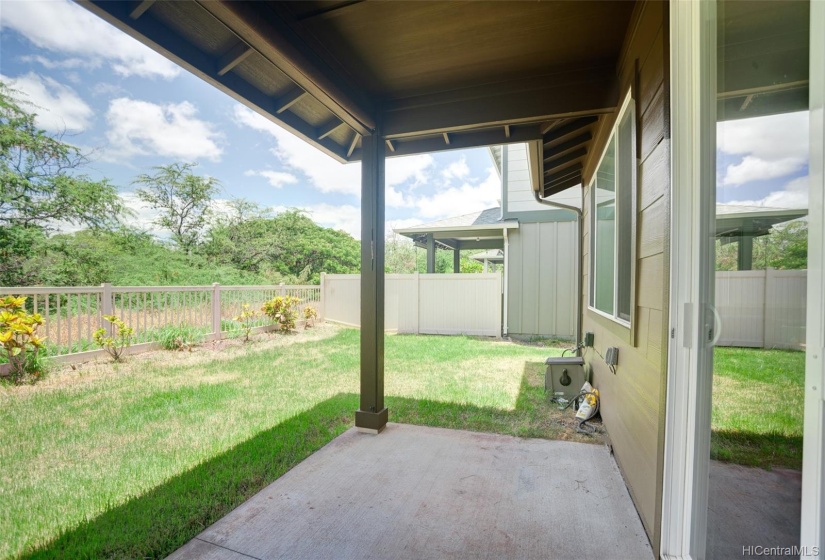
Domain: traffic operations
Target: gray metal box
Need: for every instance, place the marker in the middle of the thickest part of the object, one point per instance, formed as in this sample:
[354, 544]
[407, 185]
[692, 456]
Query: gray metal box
[564, 377]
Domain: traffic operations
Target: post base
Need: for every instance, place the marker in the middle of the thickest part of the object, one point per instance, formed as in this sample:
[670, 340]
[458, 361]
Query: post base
[371, 422]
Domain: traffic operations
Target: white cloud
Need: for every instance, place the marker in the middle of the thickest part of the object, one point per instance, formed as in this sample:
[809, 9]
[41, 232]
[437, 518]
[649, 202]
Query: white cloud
[793, 196]
[326, 174]
[276, 179]
[456, 170]
[58, 107]
[773, 146]
[143, 217]
[462, 199]
[68, 30]
[171, 130]
[752, 168]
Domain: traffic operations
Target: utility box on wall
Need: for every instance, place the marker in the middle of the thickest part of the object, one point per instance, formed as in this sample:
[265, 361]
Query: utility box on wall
[564, 377]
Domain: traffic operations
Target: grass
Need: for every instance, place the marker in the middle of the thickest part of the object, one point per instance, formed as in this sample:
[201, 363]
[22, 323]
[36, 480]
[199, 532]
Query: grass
[758, 400]
[133, 460]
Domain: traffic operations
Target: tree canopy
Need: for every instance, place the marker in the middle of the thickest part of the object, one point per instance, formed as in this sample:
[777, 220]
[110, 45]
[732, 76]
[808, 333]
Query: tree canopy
[38, 184]
[182, 198]
[289, 244]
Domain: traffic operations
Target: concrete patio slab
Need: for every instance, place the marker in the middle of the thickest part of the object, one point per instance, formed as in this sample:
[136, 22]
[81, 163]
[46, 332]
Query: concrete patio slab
[416, 492]
[750, 507]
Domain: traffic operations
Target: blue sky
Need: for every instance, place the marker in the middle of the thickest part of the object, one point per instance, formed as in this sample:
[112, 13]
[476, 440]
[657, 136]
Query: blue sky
[133, 109]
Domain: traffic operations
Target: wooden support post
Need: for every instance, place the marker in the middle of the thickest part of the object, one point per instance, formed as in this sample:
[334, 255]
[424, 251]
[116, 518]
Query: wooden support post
[372, 414]
[456, 260]
[216, 311]
[745, 253]
[430, 253]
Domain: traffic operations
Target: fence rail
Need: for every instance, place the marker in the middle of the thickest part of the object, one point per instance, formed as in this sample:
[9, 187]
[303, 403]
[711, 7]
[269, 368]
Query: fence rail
[72, 314]
[762, 308]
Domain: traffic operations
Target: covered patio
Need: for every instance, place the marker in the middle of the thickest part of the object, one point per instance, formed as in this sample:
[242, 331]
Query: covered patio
[442, 494]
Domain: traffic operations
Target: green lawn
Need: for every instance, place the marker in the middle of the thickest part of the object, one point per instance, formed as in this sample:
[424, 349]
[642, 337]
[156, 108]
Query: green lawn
[133, 460]
[757, 407]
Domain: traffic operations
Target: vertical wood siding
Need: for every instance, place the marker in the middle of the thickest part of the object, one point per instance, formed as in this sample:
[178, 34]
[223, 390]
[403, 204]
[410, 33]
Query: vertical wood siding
[542, 279]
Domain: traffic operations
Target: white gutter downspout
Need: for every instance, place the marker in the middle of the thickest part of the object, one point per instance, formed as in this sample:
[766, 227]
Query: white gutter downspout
[506, 276]
[534, 153]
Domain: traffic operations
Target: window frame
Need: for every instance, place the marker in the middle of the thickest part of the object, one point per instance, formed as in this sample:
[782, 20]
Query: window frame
[628, 104]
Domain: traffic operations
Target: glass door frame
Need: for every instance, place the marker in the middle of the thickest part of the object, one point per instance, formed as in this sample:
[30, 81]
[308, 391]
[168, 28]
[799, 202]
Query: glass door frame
[692, 322]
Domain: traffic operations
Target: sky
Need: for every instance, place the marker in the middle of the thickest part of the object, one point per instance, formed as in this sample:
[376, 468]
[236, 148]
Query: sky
[132, 109]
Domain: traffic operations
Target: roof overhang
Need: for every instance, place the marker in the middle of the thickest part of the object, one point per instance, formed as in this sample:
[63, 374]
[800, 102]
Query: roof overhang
[754, 223]
[428, 76]
[485, 236]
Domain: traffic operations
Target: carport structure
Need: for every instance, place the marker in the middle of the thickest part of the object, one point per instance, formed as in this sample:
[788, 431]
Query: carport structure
[363, 81]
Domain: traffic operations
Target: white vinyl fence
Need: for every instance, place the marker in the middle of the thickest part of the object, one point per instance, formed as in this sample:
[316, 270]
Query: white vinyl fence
[72, 314]
[762, 308]
[422, 303]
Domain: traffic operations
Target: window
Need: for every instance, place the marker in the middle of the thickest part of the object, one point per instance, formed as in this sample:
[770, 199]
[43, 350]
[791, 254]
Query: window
[612, 194]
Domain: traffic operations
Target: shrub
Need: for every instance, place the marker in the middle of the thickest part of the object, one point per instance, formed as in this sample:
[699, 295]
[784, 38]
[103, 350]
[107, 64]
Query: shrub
[181, 337]
[310, 315]
[247, 320]
[120, 339]
[281, 309]
[18, 336]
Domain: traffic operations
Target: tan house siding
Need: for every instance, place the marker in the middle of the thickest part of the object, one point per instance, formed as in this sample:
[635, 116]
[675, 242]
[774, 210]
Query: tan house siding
[633, 397]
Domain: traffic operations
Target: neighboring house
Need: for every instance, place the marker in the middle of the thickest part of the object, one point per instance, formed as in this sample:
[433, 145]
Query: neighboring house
[538, 243]
[621, 97]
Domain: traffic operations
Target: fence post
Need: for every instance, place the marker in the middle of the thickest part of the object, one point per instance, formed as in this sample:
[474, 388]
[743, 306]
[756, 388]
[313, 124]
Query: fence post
[321, 299]
[216, 311]
[417, 303]
[108, 308]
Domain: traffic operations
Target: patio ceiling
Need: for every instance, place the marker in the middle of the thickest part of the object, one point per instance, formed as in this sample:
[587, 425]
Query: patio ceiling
[428, 76]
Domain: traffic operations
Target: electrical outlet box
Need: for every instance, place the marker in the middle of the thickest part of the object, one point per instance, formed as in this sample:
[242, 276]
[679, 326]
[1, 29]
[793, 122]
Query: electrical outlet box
[611, 357]
[588, 339]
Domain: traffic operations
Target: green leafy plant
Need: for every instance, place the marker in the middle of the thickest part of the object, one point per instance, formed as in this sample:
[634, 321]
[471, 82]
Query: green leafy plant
[281, 309]
[310, 315]
[18, 336]
[180, 337]
[119, 340]
[247, 319]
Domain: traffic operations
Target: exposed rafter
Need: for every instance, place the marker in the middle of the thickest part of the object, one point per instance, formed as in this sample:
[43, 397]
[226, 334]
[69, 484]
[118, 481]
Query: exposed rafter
[353, 143]
[271, 36]
[233, 57]
[141, 8]
[554, 163]
[289, 99]
[566, 173]
[555, 188]
[391, 145]
[571, 144]
[152, 31]
[569, 128]
[329, 127]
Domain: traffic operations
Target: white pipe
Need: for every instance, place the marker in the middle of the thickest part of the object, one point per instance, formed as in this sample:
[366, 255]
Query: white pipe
[506, 276]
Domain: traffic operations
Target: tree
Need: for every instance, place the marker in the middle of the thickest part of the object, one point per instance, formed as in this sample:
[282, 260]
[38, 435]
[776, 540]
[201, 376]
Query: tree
[40, 189]
[289, 245]
[784, 248]
[182, 198]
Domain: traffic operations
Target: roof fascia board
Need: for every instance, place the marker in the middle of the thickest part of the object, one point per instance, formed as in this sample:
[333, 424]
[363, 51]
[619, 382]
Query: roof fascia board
[479, 227]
